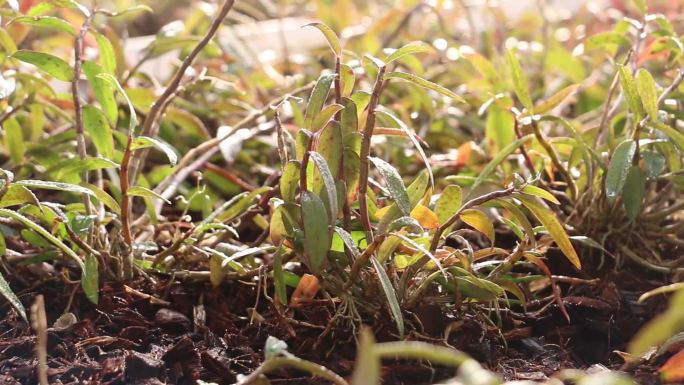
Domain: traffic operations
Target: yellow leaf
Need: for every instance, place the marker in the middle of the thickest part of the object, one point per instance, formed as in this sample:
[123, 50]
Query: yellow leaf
[480, 222]
[382, 211]
[425, 217]
[553, 226]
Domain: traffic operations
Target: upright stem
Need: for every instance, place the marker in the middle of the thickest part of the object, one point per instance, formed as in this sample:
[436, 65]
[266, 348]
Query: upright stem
[151, 126]
[365, 152]
[78, 107]
[126, 208]
[555, 159]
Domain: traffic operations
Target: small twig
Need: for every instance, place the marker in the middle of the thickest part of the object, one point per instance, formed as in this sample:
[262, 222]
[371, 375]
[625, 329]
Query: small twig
[78, 107]
[150, 127]
[551, 152]
[39, 323]
[365, 152]
[125, 207]
[282, 147]
[272, 364]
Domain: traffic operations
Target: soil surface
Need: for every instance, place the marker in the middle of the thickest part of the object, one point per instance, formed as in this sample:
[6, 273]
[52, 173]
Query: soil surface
[191, 331]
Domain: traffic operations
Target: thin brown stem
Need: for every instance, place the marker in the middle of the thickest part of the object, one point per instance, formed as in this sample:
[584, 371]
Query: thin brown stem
[551, 152]
[151, 126]
[365, 152]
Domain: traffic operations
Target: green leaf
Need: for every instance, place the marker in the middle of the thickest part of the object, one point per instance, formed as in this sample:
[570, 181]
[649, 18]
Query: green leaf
[318, 96]
[541, 193]
[480, 222]
[44, 233]
[135, 8]
[316, 234]
[107, 54]
[76, 166]
[90, 280]
[328, 185]
[390, 294]
[630, 90]
[521, 219]
[279, 277]
[46, 22]
[674, 134]
[520, 84]
[552, 102]
[619, 166]
[14, 140]
[498, 159]
[548, 219]
[289, 181]
[347, 80]
[634, 191]
[330, 35]
[660, 328]
[97, 127]
[12, 298]
[104, 197]
[17, 195]
[144, 192]
[499, 128]
[47, 63]
[324, 116]
[647, 91]
[394, 184]
[415, 192]
[417, 80]
[114, 85]
[410, 48]
[49, 185]
[349, 121]
[604, 39]
[145, 141]
[102, 90]
[448, 203]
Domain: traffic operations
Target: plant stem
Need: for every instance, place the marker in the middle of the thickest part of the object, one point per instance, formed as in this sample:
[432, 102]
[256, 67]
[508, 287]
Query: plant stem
[275, 363]
[365, 152]
[151, 126]
[126, 207]
[555, 159]
[78, 107]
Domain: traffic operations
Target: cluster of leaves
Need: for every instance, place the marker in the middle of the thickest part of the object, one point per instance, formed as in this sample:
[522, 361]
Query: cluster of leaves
[353, 195]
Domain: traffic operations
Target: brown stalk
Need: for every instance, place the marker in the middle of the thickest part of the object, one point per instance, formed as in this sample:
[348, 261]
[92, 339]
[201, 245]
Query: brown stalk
[78, 107]
[555, 159]
[151, 126]
[365, 152]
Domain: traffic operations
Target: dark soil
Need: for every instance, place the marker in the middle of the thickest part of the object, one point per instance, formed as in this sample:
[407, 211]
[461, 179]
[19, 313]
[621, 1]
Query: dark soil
[213, 334]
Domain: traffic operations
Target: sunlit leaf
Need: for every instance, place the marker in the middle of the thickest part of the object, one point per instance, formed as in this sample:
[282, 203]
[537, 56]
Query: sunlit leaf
[14, 140]
[46, 22]
[390, 294]
[102, 90]
[630, 90]
[676, 136]
[417, 80]
[555, 100]
[145, 141]
[520, 84]
[97, 127]
[316, 234]
[426, 217]
[646, 88]
[609, 38]
[318, 96]
[394, 184]
[106, 50]
[144, 192]
[104, 197]
[410, 48]
[541, 193]
[619, 166]
[289, 181]
[50, 185]
[448, 203]
[328, 185]
[47, 63]
[549, 220]
[480, 222]
[499, 158]
[330, 36]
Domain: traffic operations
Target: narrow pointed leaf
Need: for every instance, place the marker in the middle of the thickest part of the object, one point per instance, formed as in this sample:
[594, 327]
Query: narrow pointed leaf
[648, 92]
[46, 22]
[548, 219]
[541, 193]
[144, 192]
[68, 187]
[520, 84]
[316, 235]
[12, 298]
[146, 141]
[417, 80]
[330, 36]
[675, 135]
[555, 100]
[498, 159]
[97, 127]
[328, 185]
[104, 197]
[102, 90]
[618, 168]
[47, 63]
[90, 280]
[390, 294]
[630, 90]
[394, 184]
[318, 96]
[410, 48]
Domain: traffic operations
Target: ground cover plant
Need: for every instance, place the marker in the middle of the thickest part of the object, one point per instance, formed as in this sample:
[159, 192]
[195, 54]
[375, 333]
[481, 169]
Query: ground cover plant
[409, 202]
